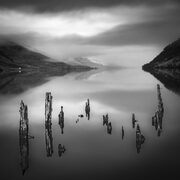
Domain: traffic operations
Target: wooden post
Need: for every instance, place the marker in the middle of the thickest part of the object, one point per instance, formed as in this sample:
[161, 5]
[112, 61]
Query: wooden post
[48, 123]
[48, 108]
[24, 137]
[61, 119]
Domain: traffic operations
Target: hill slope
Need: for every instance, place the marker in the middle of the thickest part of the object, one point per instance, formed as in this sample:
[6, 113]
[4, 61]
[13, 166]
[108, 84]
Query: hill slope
[168, 58]
[13, 56]
[166, 67]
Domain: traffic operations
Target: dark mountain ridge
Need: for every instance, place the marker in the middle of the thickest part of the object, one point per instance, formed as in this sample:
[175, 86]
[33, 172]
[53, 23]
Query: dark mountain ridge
[168, 58]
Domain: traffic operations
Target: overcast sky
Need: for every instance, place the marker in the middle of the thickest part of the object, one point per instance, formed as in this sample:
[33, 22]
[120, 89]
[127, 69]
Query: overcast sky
[122, 32]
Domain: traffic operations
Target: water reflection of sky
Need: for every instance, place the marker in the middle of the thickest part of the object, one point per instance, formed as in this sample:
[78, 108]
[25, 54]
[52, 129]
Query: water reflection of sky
[90, 150]
[111, 92]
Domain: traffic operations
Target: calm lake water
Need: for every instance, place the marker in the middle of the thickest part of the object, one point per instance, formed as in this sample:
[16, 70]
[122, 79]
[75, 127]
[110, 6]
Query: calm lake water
[92, 153]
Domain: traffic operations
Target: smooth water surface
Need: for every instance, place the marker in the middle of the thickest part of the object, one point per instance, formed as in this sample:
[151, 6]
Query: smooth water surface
[92, 153]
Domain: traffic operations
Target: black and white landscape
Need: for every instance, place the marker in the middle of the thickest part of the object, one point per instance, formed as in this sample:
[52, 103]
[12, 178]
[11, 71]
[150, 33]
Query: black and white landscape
[89, 89]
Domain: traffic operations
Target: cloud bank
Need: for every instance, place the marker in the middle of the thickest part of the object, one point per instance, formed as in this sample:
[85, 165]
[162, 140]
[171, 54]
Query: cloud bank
[95, 26]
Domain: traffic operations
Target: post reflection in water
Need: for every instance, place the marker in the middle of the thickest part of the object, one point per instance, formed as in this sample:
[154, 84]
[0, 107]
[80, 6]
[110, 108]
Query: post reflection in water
[61, 150]
[49, 140]
[24, 137]
[122, 132]
[157, 119]
[48, 124]
[139, 139]
[109, 128]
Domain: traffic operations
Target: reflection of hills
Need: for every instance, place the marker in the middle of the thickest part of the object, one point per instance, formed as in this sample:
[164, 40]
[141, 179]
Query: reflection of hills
[21, 68]
[88, 74]
[169, 77]
[93, 72]
[166, 66]
[14, 56]
[14, 82]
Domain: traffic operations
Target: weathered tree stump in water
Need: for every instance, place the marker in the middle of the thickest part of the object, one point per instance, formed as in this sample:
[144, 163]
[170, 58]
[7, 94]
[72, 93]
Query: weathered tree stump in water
[87, 109]
[105, 119]
[48, 108]
[61, 119]
[48, 123]
[24, 137]
[133, 120]
[24, 124]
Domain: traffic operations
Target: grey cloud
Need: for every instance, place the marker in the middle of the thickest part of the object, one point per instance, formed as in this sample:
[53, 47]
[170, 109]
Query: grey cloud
[162, 28]
[66, 5]
[152, 33]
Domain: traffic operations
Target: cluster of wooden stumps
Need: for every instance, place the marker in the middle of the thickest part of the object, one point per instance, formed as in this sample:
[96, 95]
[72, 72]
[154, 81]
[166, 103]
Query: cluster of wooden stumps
[24, 127]
[139, 136]
[158, 117]
[48, 124]
[24, 137]
[87, 111]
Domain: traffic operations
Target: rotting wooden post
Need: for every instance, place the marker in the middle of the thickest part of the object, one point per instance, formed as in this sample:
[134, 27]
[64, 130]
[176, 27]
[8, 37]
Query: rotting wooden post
[105, 119]
[24, 137]
[61, 119]
[48, 123]
[87, 109]
[48, 108]
[61, 115]
[24, 123]
[109, 128]
[160, 110]
[133, 120]
[160, 103]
